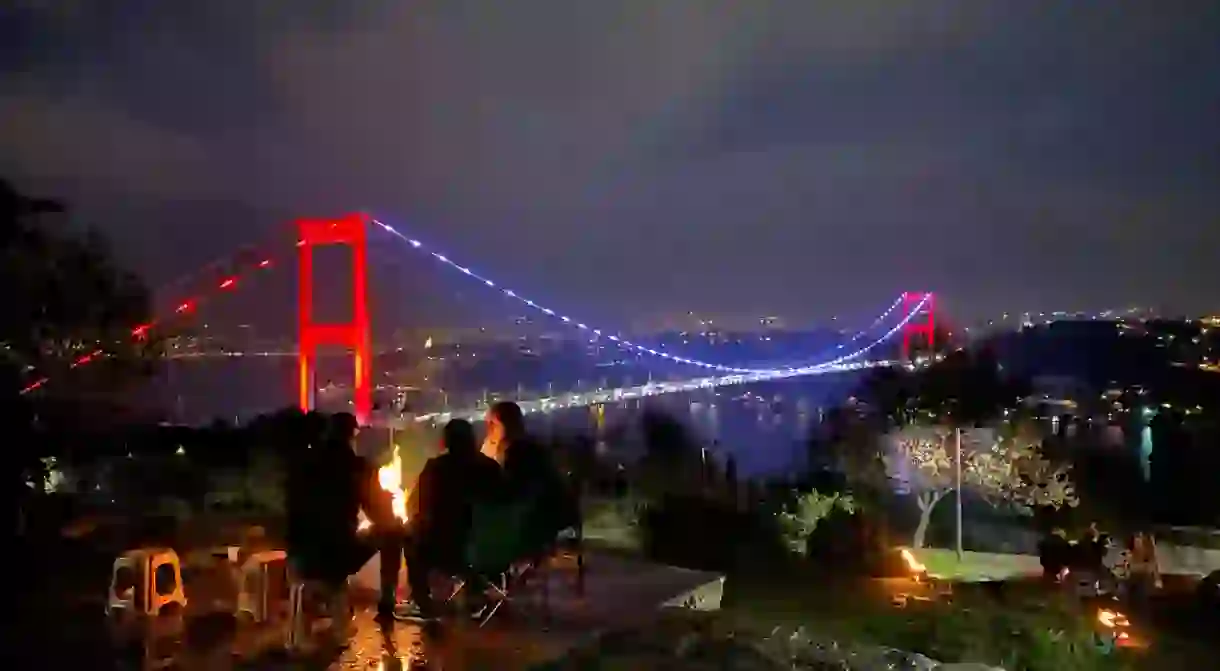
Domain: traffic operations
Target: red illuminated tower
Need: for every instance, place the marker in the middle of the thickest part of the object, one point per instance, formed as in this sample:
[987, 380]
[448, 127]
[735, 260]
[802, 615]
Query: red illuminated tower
[922, 324]
[352, 231]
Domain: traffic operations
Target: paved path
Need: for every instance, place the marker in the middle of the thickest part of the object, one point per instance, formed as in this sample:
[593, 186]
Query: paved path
[617, 593]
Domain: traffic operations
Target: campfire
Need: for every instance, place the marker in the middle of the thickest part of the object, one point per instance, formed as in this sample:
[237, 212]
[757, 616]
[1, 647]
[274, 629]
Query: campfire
[912, 563]
[390, 479]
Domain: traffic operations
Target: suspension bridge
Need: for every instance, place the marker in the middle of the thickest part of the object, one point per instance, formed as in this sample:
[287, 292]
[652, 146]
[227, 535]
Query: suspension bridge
[910, 319]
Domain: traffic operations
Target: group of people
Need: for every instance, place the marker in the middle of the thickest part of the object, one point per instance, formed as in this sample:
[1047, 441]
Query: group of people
[332, 484]
[1133, 564]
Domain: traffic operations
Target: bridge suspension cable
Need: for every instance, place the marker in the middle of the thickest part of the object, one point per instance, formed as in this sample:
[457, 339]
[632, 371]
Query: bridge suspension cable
[573, 400]
[594, 332]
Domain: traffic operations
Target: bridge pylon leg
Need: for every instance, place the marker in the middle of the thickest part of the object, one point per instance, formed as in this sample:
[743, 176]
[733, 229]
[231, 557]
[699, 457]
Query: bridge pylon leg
[355, 335]
[921, 325]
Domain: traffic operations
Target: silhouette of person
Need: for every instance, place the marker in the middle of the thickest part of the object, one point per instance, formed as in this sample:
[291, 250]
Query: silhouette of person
[531, 472]
[440, 509]
[327, 489]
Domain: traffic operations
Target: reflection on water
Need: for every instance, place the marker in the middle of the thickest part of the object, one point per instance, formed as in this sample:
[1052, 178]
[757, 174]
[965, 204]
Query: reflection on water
[764, 426]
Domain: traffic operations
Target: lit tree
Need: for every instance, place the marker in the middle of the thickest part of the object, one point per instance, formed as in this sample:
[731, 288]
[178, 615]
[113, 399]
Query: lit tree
[1004, 470]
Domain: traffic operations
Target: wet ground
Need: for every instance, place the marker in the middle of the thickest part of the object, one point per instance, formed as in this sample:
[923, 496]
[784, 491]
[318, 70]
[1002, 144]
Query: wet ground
[63, 623]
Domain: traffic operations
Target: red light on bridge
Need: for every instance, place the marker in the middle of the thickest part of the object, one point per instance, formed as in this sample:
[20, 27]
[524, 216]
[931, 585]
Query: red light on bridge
[141, 332]
[35, 385]
[86, 359]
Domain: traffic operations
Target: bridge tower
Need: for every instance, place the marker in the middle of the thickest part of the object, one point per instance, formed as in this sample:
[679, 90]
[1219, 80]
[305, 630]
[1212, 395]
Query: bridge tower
[351, 231]
[921, 325]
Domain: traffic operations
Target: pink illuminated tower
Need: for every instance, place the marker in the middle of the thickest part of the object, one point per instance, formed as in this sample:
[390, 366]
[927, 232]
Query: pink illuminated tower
[352, 231]
[921, 325]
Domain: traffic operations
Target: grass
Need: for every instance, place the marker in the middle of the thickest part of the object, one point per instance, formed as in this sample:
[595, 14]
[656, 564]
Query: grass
[1035, 629]
[1017, 622]
[609, 524]
[977, 566]
[980, 566]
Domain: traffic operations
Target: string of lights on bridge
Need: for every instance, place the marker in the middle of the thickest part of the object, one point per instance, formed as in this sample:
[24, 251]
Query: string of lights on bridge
[601, 396]
[263, 261]
[604, 333]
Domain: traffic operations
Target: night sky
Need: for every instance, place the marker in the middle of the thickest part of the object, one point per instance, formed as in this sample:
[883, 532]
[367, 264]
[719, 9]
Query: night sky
[618, 158]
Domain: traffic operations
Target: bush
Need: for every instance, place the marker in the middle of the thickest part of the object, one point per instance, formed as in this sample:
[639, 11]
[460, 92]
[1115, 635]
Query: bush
[708, 534]
[259, 487]
[799, 520]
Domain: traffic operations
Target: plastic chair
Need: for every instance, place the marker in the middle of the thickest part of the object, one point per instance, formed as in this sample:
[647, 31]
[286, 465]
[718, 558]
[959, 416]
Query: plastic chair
[300, 623]
[259, 580]
[145, 581]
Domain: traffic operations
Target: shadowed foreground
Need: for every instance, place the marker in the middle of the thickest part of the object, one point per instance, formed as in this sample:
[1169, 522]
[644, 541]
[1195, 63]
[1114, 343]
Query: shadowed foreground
[61, 629]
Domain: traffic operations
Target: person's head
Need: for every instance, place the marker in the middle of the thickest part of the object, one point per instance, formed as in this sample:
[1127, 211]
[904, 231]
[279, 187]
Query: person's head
[505, 422]
[344, 428]
[458, 437]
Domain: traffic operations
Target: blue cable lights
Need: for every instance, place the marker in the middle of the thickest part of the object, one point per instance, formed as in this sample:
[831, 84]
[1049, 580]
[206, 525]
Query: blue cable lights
[627, 344]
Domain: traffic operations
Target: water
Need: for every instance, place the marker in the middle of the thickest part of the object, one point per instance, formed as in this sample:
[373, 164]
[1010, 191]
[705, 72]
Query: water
[763, 426]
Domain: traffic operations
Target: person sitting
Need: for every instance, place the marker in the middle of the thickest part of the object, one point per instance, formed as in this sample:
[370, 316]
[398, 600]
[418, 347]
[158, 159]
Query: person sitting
[325, 495]
[1053, 554]
[531, 473]
[1145, 574]
[439, 512]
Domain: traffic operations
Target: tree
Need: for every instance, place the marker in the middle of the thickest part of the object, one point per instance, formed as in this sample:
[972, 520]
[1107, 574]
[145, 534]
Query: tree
[65, 297]
[1004, 470]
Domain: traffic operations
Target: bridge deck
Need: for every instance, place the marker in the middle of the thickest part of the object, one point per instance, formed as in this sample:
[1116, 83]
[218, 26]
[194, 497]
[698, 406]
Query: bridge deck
[615, 395]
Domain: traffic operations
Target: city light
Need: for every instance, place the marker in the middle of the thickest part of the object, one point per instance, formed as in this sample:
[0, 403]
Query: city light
[651, 389]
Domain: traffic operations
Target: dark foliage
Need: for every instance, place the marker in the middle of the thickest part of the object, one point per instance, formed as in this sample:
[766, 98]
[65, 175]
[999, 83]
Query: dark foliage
[708, 534]
[1184, 463]
[968, 387]
[64, 298]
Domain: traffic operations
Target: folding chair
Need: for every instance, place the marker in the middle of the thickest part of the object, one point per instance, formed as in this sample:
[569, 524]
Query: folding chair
[549, 545]
[497, 542]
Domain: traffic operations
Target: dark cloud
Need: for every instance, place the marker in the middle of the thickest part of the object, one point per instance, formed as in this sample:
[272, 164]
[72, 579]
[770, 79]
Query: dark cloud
[640, 156]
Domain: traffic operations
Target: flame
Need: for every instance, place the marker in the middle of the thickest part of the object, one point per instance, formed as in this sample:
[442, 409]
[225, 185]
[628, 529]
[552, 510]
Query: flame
[390, 479]
[1112, 619]
[912, 562]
